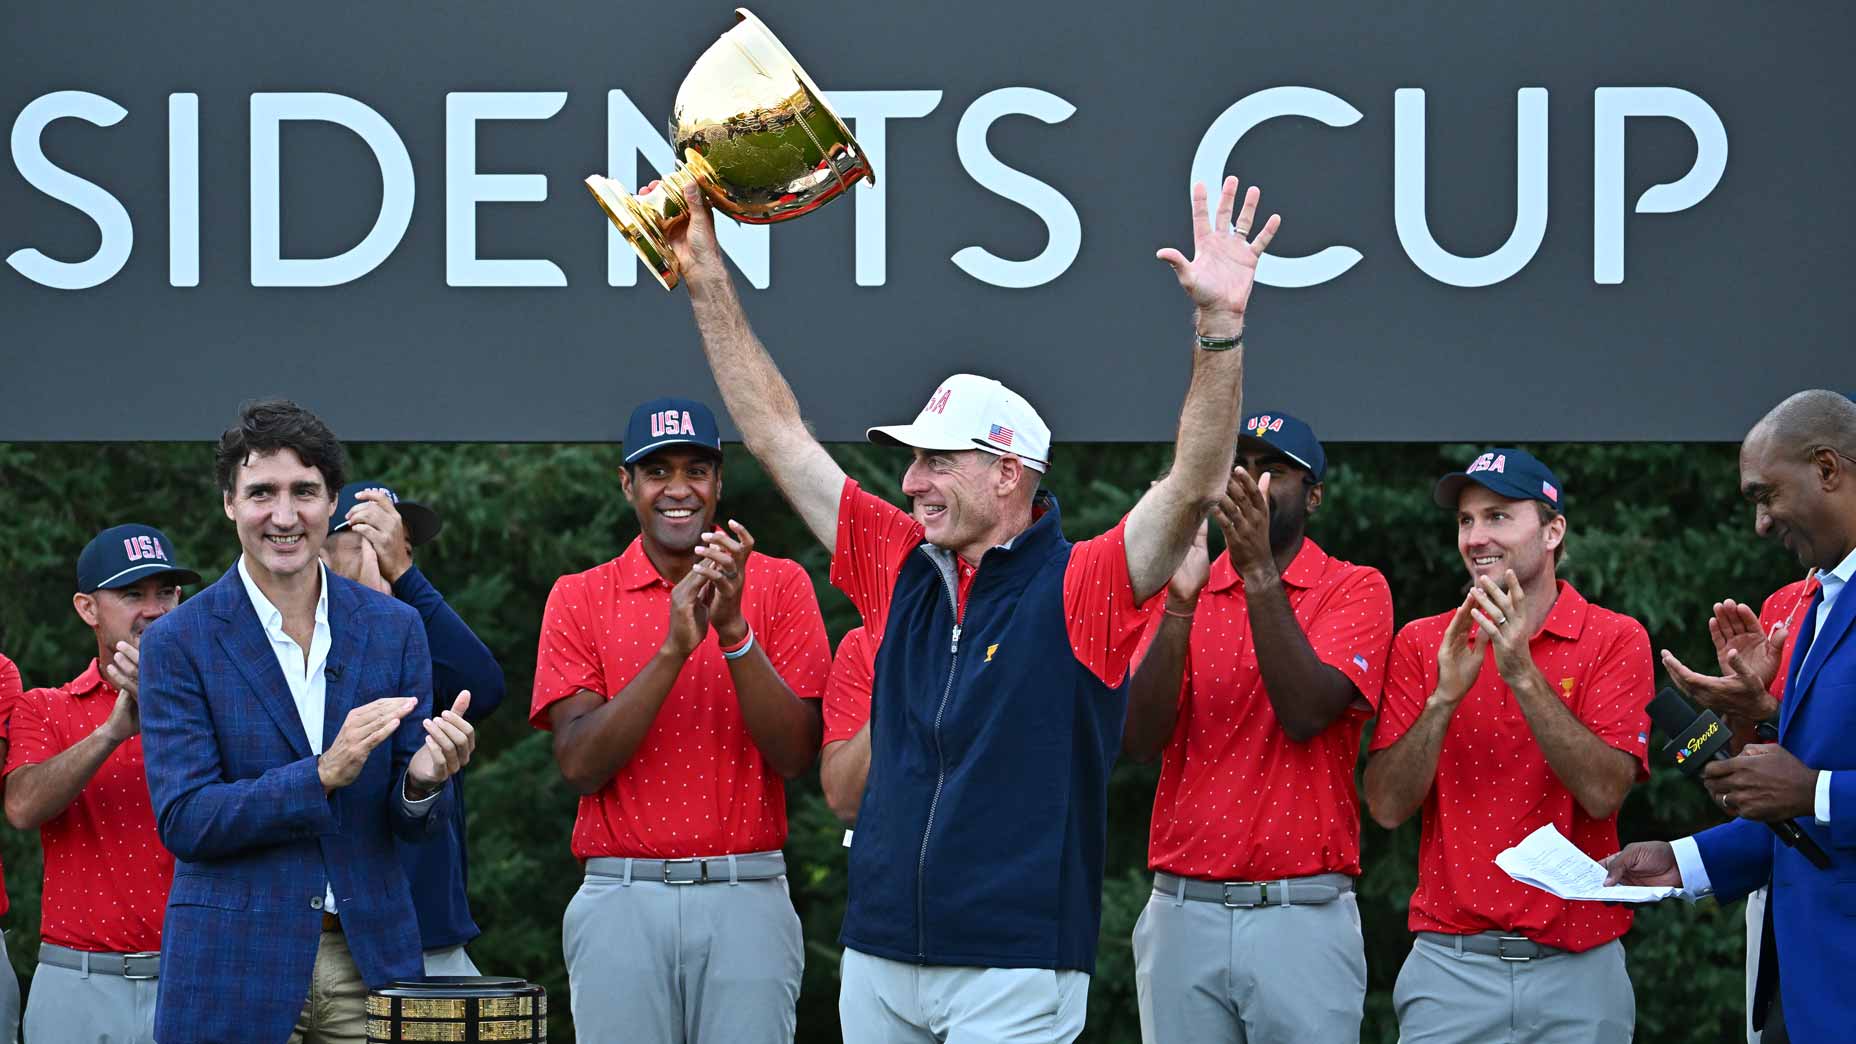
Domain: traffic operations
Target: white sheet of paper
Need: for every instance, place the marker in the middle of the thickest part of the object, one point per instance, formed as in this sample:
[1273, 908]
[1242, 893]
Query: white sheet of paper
[1546, 860]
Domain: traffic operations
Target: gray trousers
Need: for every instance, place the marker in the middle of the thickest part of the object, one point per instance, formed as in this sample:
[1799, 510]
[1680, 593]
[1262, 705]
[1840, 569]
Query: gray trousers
[1447, 997]
[9, 997]
[898, 1003]
[67, 1006]
[450, 960]
[1206, 973]
[655, 963]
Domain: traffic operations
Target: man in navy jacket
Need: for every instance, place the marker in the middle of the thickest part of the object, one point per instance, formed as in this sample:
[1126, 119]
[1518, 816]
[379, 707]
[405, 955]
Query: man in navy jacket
[286, 740]
[975, 889]
[372, 534]
[1798, 469]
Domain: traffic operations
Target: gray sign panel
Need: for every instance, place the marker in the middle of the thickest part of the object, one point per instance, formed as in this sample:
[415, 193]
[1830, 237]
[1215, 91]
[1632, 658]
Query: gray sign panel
[1545, 221]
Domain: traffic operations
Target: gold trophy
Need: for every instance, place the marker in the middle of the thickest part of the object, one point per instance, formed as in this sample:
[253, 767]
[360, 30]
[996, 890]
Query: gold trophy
[755, 135]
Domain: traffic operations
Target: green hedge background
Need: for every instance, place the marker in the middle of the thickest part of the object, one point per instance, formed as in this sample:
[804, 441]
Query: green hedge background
[1657, 531]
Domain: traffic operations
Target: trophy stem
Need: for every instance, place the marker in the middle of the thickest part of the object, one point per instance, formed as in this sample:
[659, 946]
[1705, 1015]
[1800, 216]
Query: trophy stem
[647, 219]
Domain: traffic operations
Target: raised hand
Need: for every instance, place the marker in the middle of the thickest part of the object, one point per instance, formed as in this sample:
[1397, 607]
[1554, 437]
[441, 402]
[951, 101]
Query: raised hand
[1243, 515]
[365, 728]
[1748, 659]
[379, 522]
[724, 563]
[699, 256]
[689, 614]
[449, 741]
[1223, 267]
[1500, 610]
[1460, 655]
[124, 674]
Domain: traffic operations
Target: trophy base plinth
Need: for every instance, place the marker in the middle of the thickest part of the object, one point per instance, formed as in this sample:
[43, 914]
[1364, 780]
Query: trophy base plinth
[640, 227]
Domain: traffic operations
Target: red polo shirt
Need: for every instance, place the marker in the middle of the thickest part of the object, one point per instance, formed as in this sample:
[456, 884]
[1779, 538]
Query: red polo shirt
[697, 785]
[106, 872]
[847, 691]
[1103, 621]
[10, 692]
[1787, 604]
[1238, 800]
[1493, 785]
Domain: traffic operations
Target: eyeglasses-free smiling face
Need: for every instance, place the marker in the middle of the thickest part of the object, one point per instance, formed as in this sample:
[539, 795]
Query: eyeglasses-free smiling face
[281, 508]
[1495, 534]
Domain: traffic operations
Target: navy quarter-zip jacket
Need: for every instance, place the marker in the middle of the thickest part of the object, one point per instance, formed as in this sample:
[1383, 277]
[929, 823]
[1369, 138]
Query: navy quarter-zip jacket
[980, 838]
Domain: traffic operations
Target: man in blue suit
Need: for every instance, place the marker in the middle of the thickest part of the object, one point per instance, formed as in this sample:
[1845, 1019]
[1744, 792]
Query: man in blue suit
[274, 708]
[1798, 469]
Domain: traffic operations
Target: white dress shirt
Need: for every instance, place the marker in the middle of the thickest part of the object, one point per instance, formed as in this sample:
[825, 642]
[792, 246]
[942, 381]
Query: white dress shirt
[305, 673]
[1695, 881]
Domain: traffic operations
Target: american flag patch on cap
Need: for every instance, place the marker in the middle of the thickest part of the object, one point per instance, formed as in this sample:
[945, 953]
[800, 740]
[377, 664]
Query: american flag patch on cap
[1001, 435]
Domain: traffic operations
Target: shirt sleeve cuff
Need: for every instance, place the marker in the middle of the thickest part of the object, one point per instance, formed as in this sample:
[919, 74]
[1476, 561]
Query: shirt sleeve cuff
[421, 806]
[1822, 809]
[1695, 883]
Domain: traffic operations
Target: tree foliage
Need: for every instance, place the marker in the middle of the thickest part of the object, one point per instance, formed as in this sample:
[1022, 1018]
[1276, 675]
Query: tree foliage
[1656, 532]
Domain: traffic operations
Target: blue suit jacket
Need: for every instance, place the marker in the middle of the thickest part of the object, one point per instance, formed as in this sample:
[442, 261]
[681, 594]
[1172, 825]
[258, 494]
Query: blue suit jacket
[1812, 912]
[238, 801]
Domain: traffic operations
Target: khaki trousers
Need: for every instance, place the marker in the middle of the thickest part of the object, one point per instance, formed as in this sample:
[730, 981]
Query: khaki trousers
[336, 1011]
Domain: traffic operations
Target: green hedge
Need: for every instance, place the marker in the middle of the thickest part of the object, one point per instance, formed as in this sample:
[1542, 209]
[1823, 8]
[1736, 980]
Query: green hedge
[1657, 531]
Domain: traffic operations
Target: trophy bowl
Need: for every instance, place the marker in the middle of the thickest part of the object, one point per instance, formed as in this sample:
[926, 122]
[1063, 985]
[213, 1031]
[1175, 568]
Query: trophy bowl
[753, 133]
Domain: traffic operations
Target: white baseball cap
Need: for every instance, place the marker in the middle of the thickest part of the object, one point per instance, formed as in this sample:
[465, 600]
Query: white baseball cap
[972, 412]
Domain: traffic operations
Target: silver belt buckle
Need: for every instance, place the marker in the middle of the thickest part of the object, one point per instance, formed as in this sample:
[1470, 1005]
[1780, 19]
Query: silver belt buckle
[144, 955]
[1501, 948]
[702, 871]
[1263, 894]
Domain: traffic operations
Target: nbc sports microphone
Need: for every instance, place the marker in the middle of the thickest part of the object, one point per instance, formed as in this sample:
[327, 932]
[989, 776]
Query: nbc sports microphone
[1696, 739]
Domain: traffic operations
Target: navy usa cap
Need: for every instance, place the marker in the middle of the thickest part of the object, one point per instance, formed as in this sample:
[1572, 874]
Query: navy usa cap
[422, 523]
[128, 554]
[670, 422]
[1512, 473]
[1290, 437]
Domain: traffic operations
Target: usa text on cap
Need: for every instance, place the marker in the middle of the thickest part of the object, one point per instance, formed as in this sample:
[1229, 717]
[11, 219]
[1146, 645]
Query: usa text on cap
[422, 523]
[124, 555]
[972, 412]
[670, 422]
[1512, 473]
[1289, 436]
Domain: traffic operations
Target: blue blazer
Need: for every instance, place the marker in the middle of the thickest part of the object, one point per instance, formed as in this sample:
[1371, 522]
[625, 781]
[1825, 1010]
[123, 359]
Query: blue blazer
[1812, 912]
[238, 802]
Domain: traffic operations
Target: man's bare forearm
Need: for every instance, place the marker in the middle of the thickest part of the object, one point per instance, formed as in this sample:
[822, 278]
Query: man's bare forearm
[843, 766]
[592, 745]
[1162, 524]
[1598, 774]
[1306, 694]
[784, 727]
[38, 793]
[1153, 692]
[763, 405]
[1399, 778]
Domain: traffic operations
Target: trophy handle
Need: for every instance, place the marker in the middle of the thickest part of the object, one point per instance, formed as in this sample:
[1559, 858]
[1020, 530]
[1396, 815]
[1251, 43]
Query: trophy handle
[646, 219]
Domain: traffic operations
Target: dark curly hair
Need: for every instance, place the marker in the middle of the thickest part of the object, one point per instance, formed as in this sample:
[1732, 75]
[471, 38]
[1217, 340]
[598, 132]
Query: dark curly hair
[269, 425]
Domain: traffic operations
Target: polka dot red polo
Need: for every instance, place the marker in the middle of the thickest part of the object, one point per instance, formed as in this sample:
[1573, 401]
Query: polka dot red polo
[1493, 784]
[1787, 604]
[1237, 799]
[10, 692]
[1103, 621]
[697, 785]
[847, 691]
[106, 872]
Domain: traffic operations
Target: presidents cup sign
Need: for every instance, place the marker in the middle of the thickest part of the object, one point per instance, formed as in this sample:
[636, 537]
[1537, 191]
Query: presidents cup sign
[1565, 222]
